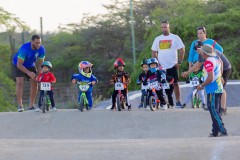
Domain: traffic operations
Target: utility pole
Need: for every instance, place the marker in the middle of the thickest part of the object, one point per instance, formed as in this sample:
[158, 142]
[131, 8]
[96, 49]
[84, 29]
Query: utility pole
[133, 34]
[41, 28]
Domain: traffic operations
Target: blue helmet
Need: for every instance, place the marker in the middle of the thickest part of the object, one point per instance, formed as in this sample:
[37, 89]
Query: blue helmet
[47, 63]
[151, 61]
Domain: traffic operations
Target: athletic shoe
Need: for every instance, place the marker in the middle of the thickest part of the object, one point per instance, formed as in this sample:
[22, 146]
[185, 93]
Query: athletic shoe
[31, 108]
[213, 135]
[113, 108]
[54, 109]
[179, 104]
[223, 134]
[20, 109]
[89, 108]
[38, 109]
[140, 105]
[204, 105]
[171, 106]
[164, 107]
[129, 107]
[184, 105]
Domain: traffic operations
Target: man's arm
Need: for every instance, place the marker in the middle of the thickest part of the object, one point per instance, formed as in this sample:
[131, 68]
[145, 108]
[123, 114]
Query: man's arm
[23, 69]
[154, 54]
[39, 68]
[192, 69]
[208, 80]
[189, 65]
[181, 54]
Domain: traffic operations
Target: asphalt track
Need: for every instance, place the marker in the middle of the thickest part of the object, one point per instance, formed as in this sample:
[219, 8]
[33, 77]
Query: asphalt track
[102, 134]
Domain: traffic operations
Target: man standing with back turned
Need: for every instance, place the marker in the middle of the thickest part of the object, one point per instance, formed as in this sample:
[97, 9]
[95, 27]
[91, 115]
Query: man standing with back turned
[24, 66]
[214, 88]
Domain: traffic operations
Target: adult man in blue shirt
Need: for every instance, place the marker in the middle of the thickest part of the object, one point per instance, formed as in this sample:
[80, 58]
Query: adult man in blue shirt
[202, 38]
[24, 66]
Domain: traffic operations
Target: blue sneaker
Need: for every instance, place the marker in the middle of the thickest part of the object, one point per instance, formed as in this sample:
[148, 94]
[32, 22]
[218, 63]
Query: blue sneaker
[179, 104]
[20, 109]
[31, 108]
[140, 105]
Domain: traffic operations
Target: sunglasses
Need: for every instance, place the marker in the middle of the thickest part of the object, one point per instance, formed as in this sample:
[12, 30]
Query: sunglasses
[203, 28]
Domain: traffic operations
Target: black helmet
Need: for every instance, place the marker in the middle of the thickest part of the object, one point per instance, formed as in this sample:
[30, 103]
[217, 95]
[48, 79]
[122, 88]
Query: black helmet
[198, 44]
[144, 61]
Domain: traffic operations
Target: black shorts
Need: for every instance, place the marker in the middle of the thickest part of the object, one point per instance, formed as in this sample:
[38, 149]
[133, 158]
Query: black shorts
[174, 73]
[226, 74]
[18, 73]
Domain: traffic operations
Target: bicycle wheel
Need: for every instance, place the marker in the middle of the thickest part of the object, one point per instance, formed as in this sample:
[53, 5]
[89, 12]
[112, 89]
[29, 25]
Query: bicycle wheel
[199, 102]
[81, 103]
[152, 103]
[119, 106]
[44, 104]
[145, 101]
[48, 104]
[194, 101]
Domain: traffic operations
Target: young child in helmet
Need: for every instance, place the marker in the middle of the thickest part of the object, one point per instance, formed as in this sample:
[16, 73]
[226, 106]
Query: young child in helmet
[158, 75]
[197, 76]
[85, 75]
[143, 79]
[46, 76]
[125, 78]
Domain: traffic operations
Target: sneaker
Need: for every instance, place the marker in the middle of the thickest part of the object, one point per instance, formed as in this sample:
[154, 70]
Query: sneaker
[213, 135]
[223, 134]
[140, 105]
[129, 107]
[184, 105]
[38, 109]
[204, 105]
[171, 106]
[20, 109]
[179, 104]
[164, 107]
[89, 108]
[31, 108]
[54, 109]
[113, 108]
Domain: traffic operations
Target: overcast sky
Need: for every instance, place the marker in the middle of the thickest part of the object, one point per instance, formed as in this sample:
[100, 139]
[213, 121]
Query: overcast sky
[54, 12]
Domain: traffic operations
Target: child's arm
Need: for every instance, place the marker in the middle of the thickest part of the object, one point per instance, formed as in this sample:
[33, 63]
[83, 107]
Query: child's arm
[53, 78]
[94, 80]
[112, 81]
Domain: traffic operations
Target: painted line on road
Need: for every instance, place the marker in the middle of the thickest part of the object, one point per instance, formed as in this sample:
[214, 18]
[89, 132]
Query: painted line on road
[136, 95]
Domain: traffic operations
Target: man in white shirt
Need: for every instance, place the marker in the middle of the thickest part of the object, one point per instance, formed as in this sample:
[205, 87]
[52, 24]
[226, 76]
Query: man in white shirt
[165, 48]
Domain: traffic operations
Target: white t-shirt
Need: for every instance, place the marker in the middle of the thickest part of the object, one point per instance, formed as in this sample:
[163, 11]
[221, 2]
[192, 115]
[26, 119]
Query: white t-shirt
[167, 47]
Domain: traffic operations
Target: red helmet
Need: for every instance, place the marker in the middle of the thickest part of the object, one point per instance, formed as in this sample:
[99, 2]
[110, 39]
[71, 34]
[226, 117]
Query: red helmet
[118, 62]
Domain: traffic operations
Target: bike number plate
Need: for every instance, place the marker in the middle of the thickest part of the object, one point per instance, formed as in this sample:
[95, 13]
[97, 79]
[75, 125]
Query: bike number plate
[194, 83]
[119, 86]
[166, 86]
[83, 87]
[154, 85]
[45, 86]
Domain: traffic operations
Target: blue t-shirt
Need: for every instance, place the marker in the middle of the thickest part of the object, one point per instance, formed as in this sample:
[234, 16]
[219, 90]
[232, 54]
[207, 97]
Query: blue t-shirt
[193, 54]
[82, 78]
[29, 55]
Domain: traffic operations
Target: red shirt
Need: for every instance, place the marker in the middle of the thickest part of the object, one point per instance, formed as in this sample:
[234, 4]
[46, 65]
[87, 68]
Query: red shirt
[46, 77]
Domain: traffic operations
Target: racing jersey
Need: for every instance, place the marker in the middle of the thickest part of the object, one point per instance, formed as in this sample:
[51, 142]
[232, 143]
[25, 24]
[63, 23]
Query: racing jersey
[213, 64]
